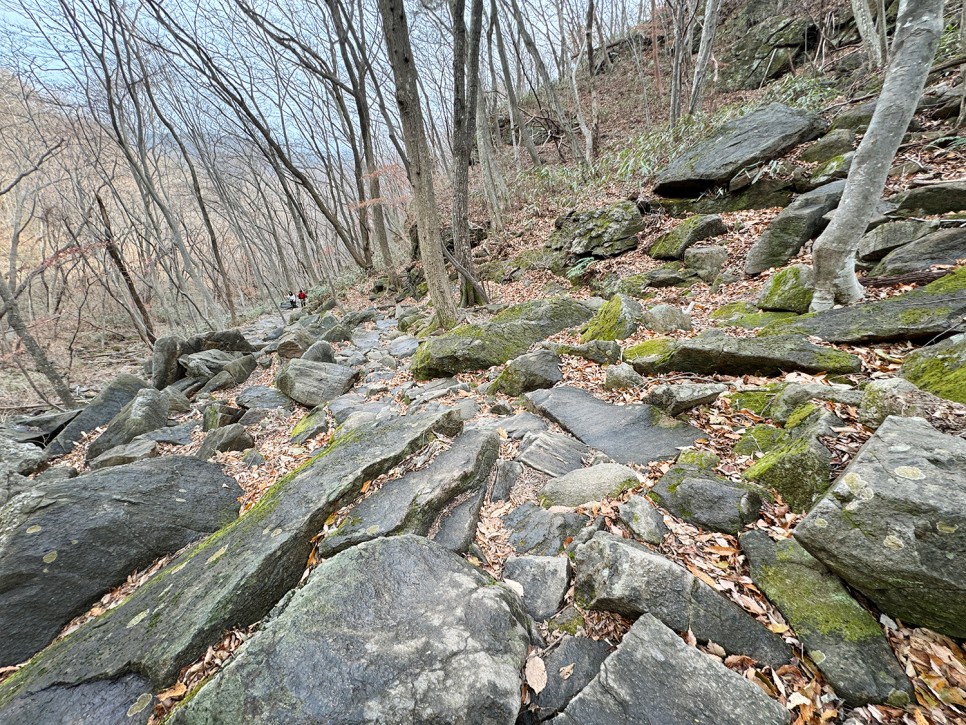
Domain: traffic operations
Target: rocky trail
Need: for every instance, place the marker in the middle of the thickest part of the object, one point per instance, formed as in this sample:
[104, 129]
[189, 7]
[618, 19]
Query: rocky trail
[630, 507]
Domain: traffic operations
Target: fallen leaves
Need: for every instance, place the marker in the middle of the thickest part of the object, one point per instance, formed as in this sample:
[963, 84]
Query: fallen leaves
[535, 673]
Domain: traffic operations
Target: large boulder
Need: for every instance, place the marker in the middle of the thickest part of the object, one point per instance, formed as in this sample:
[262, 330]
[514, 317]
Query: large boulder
[787, 233]
[673, 244]
[939, 369]
[938, 309]
[588, 484]
[231, 579]
[137, 450]
[100, 411]
[841, 637]
[65, 543]
[894, 525]
[604, 232]
[544, 579]
[617, 319]
[789, 290]
[164, 361]
[942, 198]
[413, 503]
[626, 433]
[262, 396]
[438, 641]
[313, 383]
[148, 411]
[532, 371]
[617, 575]
[207, 363]
[510, 333]
[654, 678]
[21, 457]
[888, 237]
[943, 247]
[762, 135]
[714, 352]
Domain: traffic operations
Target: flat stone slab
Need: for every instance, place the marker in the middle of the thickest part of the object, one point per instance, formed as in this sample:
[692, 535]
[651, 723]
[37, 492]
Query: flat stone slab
[945, 246]
[626, 433]
[136, 450]
[894, 525]
[412, 503]
[617, 575]
[232, 578]
[544, 579]
[349, 647]
[552, 453]
[654, 678]
[262, 396]
[588, 484]
[313, 383]
[842, 638]
[65, 543]
[534, 530]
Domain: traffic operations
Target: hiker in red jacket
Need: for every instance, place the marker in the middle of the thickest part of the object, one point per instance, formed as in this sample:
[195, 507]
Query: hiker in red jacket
[302, 297]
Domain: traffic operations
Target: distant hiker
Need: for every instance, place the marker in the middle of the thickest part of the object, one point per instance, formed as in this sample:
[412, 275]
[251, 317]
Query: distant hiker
[302, 297]
[292, 302]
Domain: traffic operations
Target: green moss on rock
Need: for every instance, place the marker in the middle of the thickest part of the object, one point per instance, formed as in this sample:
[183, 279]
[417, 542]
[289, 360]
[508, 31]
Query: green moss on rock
[758, 439]
[746, 316]
[648, 356]
[617, 319]
[790, 290]
[939, 369]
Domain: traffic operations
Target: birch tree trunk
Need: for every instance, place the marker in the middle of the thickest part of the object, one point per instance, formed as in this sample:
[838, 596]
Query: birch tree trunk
[708, 32]
[866, 27]
[396, 30]
[917, 35]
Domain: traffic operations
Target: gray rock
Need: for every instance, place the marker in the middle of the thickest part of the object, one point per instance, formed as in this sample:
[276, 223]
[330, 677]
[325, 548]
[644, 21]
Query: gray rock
[763, 135]
[800, 221]
[12, 483]
[939, 368]
[933, 199]
[628, 433]
[535, 370]
[519, 425]
[177, 435]
[832, 170]
[21, 457]
[545, 580]
[605, 232]
[65, 543]
[137, 450]
[552, 453]
[262, 396]
[579, 659]
[232, 437]
[621, 377]
[177, 401]
[354, 318]
[937, 309]
[505, 476]
[945, 246]
[241, 369]
[319, 351]
[706, 261]
[893, 525]
[842, 638]
[695, 494]
[231, 579]
[412, 504]
[534, 530]
[457, 526]
[365, 340]
[645, 522]
[617, 575]
[794, 395]
[254, 416]
[666, 318]
[220, 381]
[588, 484]
[714, 352]
[312, 383]
[790, 290]
[100, 411]
[510, 333]
[207, 363]
[888, 237]
[678, 398]
[37, 429]
[669, 275]
[164, 361]
[603, 352]
[654, 678]
[314, 424]
[403, 347]
[617, 319]
[216, 415]
[146, 412]
[834, 143]
[673, 244]
[461, 656]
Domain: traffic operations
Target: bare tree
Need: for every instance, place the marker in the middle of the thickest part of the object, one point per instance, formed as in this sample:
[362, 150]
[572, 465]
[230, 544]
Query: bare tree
[872, 39]
[708, 30]
[396, 30]
[918, 30]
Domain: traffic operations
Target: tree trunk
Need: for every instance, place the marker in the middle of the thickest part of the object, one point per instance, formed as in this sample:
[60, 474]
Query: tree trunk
[36, 352]
[516, 117]
[396, 30]
[708, 32]
[867, 31]
[917, 35]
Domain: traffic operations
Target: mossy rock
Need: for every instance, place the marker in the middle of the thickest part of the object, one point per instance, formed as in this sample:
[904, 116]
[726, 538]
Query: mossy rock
[763, 194]
[834, 169]
[833, 144]
[599, 233]
[757, 400]
[617, 319]
[758, 439]
[312, 425]
[798, 466]
[746, 316]
[635, 285]
[673, 244]
[790, 290]
[939, 369]
[651, 354]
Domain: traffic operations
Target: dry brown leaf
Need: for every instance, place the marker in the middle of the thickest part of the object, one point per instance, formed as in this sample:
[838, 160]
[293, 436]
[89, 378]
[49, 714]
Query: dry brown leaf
[566, 671]
[536, 674]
